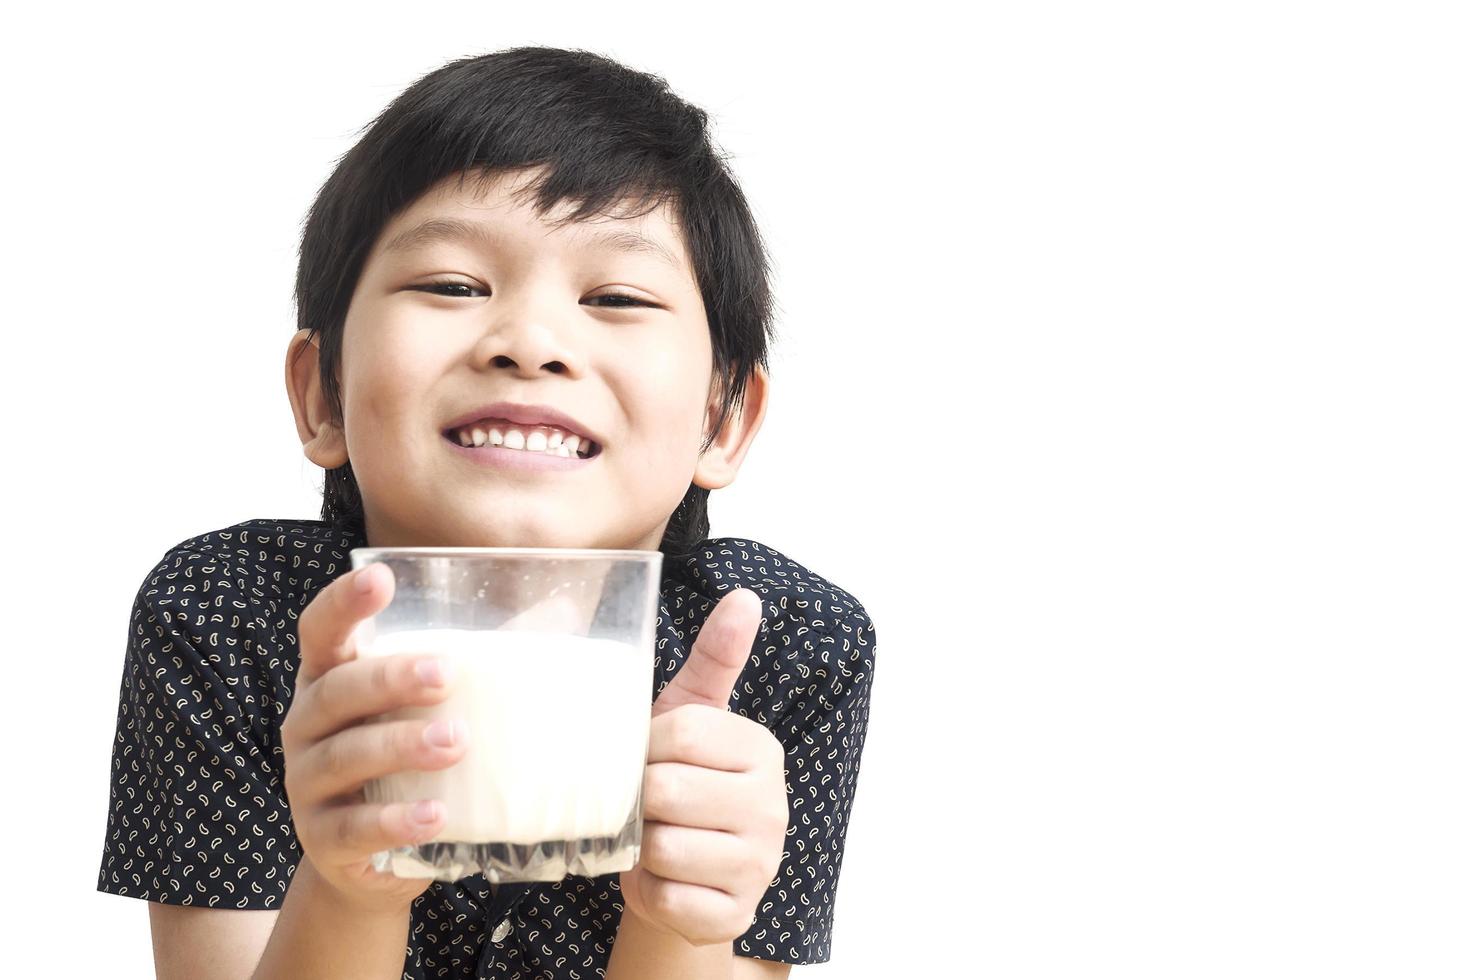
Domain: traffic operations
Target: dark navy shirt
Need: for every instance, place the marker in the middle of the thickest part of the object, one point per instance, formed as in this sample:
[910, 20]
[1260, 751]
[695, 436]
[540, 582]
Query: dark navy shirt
[198, 812]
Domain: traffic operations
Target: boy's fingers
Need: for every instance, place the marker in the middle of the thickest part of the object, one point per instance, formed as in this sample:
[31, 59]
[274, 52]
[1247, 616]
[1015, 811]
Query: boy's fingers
[329, 620]
[342, 763]
[349, 833]
[720, 652]
[359, 689]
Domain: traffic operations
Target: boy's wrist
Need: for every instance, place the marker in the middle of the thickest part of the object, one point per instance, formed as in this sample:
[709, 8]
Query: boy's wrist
[328, 896]
[324, 933]
[645, 951]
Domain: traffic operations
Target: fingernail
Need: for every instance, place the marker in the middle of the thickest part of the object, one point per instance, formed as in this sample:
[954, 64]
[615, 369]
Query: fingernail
[442, 733]
[424, 811]
[431, 671]
[364, 581]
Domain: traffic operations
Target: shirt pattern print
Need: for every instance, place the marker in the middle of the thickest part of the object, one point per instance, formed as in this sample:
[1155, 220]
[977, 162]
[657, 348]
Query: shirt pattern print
[198, 813]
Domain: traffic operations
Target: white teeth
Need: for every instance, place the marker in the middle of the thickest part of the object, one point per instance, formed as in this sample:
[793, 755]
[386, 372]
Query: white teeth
[554, 443]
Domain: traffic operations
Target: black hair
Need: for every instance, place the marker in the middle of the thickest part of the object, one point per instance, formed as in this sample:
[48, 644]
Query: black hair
[606, 134]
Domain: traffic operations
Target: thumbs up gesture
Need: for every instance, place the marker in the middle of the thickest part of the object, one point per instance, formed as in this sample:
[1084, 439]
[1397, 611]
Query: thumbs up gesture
[714, 793]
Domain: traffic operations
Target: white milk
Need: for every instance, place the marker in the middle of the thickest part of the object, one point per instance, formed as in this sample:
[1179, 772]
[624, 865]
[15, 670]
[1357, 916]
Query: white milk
[558, 734]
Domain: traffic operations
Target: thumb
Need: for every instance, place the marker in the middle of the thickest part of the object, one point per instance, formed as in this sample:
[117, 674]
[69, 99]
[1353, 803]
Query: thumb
[720, 652]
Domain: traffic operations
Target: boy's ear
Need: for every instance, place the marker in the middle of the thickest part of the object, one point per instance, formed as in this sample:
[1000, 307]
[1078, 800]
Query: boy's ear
[321, 438]
[718, 465]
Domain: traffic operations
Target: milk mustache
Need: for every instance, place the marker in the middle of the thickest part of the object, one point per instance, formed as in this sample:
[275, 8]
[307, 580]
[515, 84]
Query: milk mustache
[558, 733]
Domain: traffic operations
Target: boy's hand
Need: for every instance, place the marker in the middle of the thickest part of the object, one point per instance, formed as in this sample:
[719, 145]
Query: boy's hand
[714, 793]
[331, 751]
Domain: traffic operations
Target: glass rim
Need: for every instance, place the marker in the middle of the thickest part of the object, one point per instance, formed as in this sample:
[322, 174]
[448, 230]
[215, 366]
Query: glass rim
[604, 554]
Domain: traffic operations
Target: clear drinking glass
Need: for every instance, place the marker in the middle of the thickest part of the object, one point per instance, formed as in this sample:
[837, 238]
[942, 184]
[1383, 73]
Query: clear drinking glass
[552, 670]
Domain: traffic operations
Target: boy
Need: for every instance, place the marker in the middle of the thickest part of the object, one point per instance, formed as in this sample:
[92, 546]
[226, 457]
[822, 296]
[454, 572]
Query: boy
[533, 309]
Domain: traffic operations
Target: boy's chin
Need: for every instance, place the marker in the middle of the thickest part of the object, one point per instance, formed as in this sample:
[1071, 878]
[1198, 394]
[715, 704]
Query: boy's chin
[488, 535]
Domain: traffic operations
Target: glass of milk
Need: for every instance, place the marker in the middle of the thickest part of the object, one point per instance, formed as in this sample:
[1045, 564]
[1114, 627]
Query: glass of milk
[552, 671]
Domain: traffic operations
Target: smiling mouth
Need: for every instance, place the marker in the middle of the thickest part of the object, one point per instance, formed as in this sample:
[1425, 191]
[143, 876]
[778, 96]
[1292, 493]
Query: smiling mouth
[535, 440]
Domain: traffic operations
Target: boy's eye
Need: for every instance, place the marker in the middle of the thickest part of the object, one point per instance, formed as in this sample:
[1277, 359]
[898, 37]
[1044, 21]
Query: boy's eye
[623, 300]
[434, 286]
[627, 300]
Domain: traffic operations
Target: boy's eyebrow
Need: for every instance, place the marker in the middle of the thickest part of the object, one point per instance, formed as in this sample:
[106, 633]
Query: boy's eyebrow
[455, 229]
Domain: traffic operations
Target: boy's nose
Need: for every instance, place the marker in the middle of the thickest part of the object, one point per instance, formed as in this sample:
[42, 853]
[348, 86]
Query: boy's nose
[527, 347]
[555, 367]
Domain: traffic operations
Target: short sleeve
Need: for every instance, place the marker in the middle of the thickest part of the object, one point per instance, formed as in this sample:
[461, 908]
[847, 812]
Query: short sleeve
[197, 810]
[828, 674]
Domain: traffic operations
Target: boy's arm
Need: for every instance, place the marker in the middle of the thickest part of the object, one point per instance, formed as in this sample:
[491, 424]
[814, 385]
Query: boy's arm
[644, 953]
[208, 943]
[320, 935]
[641, 952]
[314, 934]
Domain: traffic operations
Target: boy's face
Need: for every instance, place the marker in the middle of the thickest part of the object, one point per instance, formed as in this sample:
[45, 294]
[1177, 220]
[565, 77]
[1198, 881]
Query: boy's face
[527, 322]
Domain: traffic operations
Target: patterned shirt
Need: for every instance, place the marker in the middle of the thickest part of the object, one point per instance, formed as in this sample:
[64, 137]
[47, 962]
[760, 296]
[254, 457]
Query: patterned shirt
[198, 812]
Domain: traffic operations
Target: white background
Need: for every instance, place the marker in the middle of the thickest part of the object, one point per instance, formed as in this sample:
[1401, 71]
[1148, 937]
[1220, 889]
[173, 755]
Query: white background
[1122, 377]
